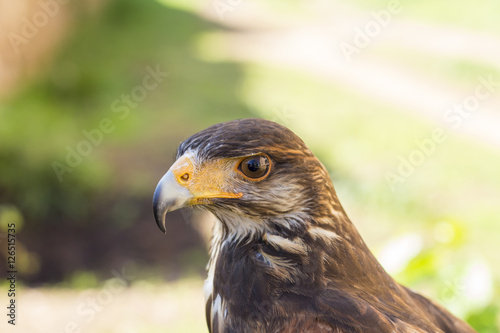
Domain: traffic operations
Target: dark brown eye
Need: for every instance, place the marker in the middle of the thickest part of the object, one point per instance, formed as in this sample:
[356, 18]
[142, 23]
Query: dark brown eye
[255, 167]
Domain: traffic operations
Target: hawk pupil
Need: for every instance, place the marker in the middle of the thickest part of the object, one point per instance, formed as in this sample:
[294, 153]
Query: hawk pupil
[253, 165]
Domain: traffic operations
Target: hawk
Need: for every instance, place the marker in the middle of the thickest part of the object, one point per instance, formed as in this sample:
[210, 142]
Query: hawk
[284, 256]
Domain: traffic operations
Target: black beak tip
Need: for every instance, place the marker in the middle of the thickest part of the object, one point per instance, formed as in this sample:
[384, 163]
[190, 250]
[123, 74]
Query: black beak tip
[161, 225]
[160, 220]
[160, 213]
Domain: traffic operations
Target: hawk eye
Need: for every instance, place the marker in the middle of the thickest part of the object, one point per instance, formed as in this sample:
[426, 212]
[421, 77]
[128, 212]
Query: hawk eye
[255, 167]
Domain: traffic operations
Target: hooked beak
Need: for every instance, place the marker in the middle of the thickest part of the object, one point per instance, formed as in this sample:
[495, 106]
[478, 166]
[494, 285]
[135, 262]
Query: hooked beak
[184, 185]
[169, 196]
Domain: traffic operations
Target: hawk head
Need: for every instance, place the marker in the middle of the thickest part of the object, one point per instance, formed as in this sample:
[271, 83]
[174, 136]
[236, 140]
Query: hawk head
[254, 175]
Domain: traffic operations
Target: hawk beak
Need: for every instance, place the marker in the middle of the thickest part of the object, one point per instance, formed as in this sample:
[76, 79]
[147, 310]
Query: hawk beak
[184, 185]
[169, 196]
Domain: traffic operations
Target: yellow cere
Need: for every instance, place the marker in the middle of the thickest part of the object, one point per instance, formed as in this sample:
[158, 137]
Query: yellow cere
[204, 181]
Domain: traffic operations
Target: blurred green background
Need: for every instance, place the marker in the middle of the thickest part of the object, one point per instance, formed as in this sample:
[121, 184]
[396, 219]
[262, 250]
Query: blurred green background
[86, 132]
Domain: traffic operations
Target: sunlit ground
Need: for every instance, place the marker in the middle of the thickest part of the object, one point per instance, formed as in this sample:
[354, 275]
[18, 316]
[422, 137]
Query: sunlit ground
[112, 308]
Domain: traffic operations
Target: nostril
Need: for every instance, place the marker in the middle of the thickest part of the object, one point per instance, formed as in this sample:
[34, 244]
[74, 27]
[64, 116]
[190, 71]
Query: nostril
[185, 177]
